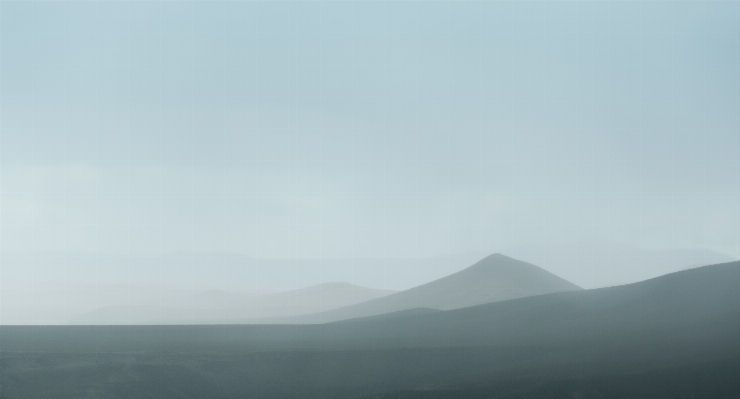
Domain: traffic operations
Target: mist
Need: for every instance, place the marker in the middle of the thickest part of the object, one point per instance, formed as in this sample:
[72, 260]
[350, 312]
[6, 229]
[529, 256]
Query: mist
[370, 199]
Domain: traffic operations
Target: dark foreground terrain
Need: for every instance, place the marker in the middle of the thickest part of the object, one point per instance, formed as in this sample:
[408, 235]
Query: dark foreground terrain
[676, 336]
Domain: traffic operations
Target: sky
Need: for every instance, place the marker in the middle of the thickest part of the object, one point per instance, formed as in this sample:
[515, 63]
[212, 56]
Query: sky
[367, 129]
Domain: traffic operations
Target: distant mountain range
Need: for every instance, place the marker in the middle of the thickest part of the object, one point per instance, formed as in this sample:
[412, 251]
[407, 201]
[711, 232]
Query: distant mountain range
[52, 288]
[219, 307]
[492, 279]
[29, 295]
[227, 271]
[45, 303]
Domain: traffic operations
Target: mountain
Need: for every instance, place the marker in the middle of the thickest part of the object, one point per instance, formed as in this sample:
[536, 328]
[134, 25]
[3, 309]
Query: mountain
[668, 337]
[595, 264]
[215, 306]
[701, 303]
[492, 279]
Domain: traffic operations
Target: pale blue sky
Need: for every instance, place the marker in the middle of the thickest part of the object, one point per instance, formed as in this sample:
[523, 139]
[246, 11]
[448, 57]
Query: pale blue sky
[337, 129]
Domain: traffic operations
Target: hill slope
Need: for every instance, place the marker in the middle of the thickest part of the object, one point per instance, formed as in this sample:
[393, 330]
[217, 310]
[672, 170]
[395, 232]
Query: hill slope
[492, 279]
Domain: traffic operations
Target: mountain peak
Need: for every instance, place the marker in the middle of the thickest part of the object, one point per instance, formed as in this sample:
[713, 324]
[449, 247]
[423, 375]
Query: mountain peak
[494, 278]
[492, 260]
[501, 268]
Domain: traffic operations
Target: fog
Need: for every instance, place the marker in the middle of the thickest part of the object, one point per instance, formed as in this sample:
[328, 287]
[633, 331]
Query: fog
[370, 199]
[271, 146]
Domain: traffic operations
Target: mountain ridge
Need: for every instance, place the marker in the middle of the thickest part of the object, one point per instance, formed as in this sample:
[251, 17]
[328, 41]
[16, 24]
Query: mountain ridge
[494, 278]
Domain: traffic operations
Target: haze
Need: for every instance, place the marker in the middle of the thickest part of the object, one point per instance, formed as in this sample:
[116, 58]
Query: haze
[385, 144]
[370, 199]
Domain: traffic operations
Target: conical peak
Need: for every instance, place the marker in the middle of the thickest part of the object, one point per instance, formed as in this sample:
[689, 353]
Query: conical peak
[497, 256]
[503, 268]
[494, 260]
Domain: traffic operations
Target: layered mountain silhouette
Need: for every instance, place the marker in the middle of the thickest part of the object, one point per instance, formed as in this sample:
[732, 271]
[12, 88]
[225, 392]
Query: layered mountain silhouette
[46, 301]
[215, 306]
[668, 337]
[701, 303]
[492, 279]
